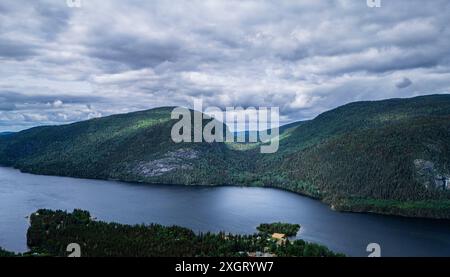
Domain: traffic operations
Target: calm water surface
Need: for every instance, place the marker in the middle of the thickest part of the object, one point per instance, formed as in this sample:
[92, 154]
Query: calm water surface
[231, 209]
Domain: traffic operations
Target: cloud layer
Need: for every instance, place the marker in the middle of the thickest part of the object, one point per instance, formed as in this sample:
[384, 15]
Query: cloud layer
[61, 64]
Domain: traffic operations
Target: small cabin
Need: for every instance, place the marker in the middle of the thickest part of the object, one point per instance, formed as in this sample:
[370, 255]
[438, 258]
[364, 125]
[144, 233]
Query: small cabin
[278, 236]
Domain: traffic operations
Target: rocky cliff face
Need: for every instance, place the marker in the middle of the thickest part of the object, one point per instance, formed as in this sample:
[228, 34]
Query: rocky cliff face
[179, 159]
[430, 176]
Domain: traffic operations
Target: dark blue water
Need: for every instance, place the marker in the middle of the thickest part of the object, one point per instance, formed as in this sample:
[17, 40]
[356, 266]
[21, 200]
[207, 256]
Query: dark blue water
[231, 209]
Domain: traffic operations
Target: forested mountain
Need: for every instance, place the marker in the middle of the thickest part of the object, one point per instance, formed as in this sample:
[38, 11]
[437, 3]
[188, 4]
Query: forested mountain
[390, 156]
[132, 147]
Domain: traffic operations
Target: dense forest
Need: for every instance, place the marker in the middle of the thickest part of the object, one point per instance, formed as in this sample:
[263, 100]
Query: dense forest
[390, 156]
[386, 156]
[4, 253]
[287, 229]
[52, 231]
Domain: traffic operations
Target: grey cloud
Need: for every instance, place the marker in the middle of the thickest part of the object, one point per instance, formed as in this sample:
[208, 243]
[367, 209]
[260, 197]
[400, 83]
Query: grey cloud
[28, 26]
[15, 50]
[9, 98]
[133, 52]
[404, 83]
[302, 56]
[5, 106]
[54, 18]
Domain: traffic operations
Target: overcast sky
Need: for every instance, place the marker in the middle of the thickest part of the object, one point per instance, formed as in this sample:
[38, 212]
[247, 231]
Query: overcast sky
[60, 64]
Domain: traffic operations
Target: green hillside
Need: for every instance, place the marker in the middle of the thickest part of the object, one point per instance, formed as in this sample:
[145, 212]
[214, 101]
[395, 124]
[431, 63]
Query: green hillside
[131, 147]
[386, 156]
[390, 156]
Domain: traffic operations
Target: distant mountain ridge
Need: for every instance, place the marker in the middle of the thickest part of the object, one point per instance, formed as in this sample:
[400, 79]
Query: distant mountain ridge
[390, 156]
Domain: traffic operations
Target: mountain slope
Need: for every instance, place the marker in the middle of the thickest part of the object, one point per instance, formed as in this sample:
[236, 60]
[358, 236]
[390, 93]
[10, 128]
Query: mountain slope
[390, 156]
[132, 147]
[385, 156]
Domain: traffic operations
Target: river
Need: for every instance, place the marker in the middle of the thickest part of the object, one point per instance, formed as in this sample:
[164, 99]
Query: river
[230, 209]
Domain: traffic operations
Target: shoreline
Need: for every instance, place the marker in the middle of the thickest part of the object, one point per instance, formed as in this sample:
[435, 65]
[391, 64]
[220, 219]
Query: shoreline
[331, 206]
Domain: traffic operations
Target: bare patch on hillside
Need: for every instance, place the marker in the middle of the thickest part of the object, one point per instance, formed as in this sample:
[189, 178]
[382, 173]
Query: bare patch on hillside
[179, 159]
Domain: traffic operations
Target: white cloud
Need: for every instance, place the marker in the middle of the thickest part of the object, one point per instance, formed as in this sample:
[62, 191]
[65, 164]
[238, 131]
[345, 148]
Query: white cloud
[57, 103]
